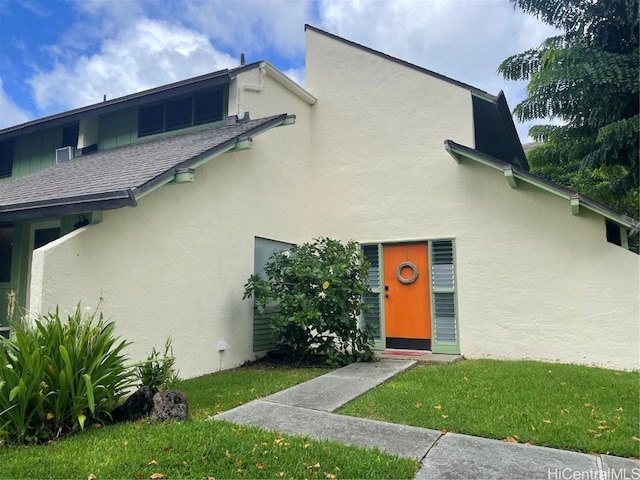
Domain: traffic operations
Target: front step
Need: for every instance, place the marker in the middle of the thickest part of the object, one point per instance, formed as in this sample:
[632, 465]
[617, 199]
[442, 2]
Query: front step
[420, 356]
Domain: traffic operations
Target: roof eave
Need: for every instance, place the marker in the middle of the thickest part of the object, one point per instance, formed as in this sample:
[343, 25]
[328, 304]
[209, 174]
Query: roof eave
[513, 173]
[289, 84]
[184, 86]
[205, 157]
[68, 206]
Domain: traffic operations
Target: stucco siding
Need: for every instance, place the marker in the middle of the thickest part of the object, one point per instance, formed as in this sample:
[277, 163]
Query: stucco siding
[379, 127]
[176, 264]
[533, 280]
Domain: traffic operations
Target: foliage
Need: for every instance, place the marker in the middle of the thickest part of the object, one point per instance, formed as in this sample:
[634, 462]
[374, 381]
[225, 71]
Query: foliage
[56, 376]
[570, 407]
[158, 372]
[318, 288]
[203, 449]
[587, 79]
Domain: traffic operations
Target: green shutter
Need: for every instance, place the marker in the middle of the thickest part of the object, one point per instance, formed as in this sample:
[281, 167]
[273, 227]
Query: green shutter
[373, 314]
[445, 327]
[262, 338]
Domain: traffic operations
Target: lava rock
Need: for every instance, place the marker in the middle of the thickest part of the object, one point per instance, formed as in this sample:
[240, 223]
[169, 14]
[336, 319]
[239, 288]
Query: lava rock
[138, 405]
[169, 405]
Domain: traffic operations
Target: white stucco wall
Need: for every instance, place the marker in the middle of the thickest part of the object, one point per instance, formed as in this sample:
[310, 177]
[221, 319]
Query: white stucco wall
[176, 264]
[534, 281]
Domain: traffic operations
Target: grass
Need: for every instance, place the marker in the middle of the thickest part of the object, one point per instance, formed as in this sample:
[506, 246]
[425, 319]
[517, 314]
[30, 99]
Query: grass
[562, 406]
[199, 448]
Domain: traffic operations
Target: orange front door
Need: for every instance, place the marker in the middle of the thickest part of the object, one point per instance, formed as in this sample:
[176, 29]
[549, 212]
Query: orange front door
[407, 306]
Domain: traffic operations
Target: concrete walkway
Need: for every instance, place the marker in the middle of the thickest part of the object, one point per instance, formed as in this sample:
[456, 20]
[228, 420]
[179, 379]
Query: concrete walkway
[306, 409]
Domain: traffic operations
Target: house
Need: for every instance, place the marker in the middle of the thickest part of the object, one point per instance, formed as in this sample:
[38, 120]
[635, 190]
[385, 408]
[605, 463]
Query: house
[165, 201]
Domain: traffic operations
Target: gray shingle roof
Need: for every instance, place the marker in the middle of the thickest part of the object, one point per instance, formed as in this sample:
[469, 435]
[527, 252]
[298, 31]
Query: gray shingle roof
[118, 175]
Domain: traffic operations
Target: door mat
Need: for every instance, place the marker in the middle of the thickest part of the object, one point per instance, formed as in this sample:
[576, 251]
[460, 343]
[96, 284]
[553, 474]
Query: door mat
[405, 353]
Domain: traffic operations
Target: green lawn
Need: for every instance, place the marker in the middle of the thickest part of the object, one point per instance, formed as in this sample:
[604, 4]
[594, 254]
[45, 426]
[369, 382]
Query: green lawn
[199, 448]
[562, 406]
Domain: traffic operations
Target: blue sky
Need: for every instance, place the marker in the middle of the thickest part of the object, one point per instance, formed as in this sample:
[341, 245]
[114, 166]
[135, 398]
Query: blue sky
[60, 54]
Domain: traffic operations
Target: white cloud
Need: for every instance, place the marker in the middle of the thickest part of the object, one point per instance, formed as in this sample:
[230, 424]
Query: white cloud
[296, 74]
[144, 54]
[10, 113]
[251, 26]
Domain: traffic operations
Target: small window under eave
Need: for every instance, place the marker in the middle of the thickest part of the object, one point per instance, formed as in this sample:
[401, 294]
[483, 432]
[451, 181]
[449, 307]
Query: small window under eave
[613, 233]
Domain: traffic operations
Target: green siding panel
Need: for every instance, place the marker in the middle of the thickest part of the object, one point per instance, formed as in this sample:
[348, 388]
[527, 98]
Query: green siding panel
[118, 128]
[35, 151]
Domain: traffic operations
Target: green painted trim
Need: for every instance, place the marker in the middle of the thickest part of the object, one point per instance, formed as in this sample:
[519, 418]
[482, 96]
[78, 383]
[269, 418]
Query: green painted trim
[624, 238]
[445, 347]
[244, 144]
[511, 179]
[381, 343]
[188, 176]
[458, 155]
[96, 217]
[575, 205]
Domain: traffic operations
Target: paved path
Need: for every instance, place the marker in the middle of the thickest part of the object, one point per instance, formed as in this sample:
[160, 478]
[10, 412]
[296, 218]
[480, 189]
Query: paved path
[306, 409]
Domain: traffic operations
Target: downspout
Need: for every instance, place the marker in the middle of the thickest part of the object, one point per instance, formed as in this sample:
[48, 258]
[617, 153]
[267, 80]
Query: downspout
[247, 87]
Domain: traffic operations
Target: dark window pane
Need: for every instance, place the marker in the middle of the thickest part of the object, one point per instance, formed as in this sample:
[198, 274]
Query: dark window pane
[613, 232]
[179, 113]
[70, 135]
[150, 120]
[43, 236]
[6, 159]
[6, 246]
[208, 106]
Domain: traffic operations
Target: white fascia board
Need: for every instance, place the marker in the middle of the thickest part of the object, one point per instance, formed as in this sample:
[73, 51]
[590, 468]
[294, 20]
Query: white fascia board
[287, 83]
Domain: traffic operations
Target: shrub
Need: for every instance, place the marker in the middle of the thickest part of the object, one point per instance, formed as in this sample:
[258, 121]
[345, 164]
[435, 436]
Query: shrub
[56, 376]
[157, 372]
[318, 287]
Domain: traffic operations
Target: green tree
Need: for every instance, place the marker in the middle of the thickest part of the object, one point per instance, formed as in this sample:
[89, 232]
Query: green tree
[587, 78]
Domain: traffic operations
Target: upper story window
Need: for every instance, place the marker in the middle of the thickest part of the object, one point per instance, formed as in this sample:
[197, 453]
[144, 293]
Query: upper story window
[70, 135]
[6, 159]
[199, 108]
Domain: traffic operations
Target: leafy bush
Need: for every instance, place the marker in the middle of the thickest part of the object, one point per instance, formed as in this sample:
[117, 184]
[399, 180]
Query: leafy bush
[157, 372]
[56, 376]
[318, 287]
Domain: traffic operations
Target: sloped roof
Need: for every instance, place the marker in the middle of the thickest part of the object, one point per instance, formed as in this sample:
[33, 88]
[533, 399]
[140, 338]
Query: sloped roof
[114, 178]
[513, 174]
[181, 87]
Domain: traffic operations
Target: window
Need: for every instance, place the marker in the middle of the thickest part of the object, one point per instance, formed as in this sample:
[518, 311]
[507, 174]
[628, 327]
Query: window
[70, 135]
[6, 159]
[198, 109]
[372, 316]
[443, 293]
[613, 233]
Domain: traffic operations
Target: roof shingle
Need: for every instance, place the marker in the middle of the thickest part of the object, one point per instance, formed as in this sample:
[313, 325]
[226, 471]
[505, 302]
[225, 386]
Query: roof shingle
[122, 171]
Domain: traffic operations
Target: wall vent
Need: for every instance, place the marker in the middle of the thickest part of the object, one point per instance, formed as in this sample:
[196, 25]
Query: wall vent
[65, 154]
